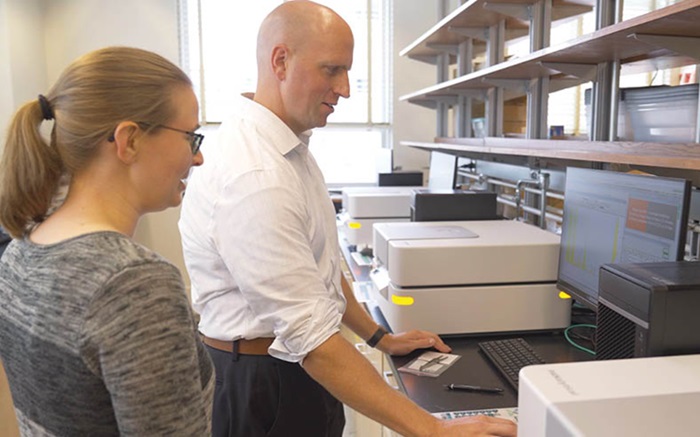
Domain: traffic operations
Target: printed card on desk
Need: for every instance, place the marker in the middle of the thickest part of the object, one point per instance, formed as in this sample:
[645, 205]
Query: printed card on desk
[430, 364]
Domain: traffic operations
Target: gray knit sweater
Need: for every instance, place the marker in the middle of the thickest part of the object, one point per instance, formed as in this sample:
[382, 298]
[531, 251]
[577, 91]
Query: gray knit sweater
[97, 338]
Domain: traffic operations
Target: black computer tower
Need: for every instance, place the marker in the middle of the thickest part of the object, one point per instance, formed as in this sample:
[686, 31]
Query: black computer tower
[648, 309]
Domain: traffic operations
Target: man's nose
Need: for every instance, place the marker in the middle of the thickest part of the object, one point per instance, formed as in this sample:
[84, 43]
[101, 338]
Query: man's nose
[342, 86]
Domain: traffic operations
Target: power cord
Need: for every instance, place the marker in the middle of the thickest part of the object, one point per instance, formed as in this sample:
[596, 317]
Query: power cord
[572, 342]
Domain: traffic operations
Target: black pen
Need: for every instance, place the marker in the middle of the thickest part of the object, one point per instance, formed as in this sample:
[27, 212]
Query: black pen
[474, 388]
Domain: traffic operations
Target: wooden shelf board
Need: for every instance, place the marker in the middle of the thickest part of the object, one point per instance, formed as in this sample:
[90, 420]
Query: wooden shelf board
[680, 156]
[472, 14]
[607, 44]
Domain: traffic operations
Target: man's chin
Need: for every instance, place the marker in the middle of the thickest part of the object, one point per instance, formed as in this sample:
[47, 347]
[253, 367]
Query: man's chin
[315, 126]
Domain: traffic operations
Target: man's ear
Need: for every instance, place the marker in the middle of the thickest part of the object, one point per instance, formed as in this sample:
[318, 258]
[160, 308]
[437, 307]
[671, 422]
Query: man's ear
[125, 139]
[279, 60]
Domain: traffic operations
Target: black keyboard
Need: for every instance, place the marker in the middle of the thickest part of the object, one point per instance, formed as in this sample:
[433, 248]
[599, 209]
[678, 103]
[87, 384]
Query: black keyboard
[509, 356]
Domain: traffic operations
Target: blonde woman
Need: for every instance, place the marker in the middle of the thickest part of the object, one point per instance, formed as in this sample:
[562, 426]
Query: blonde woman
[96, 333]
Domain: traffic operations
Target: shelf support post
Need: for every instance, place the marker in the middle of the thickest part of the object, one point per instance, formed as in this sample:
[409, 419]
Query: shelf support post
[537, 99]
[602, 107]
[495, 43]
[443, 68]
[538, 89]
[463, 109]
[495, 46]
[540, 23]
[605, 93]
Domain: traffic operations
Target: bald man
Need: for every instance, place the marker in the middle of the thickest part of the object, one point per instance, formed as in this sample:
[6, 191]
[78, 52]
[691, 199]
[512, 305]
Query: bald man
[260, 243]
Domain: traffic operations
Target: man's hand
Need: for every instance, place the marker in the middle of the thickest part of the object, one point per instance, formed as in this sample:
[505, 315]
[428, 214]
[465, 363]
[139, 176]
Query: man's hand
[406, 342]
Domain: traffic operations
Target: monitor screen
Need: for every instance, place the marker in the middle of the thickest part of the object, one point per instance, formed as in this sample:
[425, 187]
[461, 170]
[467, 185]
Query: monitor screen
[612, 217]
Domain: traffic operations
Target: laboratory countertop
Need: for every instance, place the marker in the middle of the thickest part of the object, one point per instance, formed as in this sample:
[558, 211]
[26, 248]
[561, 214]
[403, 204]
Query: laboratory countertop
[472, 368]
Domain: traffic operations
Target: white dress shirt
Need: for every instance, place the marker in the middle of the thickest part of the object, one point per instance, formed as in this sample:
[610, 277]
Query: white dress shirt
[259, 237]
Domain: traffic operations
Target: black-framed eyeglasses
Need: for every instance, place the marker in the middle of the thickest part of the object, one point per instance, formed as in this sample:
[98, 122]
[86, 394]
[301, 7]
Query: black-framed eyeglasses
[195, 138]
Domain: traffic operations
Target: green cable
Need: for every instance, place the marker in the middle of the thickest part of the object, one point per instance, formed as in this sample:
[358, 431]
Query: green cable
[574, 344]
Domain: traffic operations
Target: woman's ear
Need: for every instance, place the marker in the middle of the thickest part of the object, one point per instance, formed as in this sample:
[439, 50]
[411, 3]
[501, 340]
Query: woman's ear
[125, 139]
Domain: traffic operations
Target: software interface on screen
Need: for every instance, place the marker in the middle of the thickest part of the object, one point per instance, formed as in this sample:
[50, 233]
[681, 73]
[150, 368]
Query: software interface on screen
[614, 217]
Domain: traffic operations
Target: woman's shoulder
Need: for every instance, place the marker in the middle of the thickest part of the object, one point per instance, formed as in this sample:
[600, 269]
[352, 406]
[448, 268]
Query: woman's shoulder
[107, 252]
[124, 253]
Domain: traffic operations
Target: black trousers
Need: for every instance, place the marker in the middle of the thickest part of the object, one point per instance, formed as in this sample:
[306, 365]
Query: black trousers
[258, 395]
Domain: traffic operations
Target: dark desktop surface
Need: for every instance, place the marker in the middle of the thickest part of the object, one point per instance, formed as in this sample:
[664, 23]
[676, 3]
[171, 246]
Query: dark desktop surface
[473, 368]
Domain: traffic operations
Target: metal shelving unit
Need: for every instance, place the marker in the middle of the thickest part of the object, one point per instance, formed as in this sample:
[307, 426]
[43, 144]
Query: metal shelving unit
[663, 38]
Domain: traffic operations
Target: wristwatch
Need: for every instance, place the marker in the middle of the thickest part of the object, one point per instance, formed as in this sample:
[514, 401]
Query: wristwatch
[378, 334]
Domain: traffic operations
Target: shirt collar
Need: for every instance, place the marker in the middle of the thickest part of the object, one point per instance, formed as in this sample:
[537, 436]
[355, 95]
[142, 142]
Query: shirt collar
[275, 130]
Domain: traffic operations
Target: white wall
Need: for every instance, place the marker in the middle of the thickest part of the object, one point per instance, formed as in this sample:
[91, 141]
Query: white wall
[6, 99]
[74, 27]
[412, 18]
[22, 55]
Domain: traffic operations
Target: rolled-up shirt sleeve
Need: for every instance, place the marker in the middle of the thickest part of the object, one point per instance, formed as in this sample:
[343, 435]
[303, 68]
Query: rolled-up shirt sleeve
[272, 246]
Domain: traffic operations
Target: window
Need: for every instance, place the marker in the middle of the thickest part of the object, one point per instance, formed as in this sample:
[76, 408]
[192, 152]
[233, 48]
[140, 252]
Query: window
[218, 50]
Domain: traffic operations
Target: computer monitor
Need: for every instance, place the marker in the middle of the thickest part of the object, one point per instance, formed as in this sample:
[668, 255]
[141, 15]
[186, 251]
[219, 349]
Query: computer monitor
[612, 217]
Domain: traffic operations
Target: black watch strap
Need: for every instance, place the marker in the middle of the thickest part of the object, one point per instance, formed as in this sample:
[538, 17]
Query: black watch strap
[378, 334]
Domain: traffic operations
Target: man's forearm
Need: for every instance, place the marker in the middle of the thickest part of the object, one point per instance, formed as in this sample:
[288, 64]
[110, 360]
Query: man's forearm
[350, 377]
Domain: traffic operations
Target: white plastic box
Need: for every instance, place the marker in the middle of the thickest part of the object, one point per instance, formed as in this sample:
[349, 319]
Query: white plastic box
[662, 114]
[624, 129]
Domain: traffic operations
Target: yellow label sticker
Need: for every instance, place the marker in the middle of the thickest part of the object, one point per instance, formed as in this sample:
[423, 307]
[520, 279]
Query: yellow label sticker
[402, 300]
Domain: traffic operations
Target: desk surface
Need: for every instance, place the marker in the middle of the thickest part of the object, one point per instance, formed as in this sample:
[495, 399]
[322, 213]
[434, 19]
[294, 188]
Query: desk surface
[472, 368]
